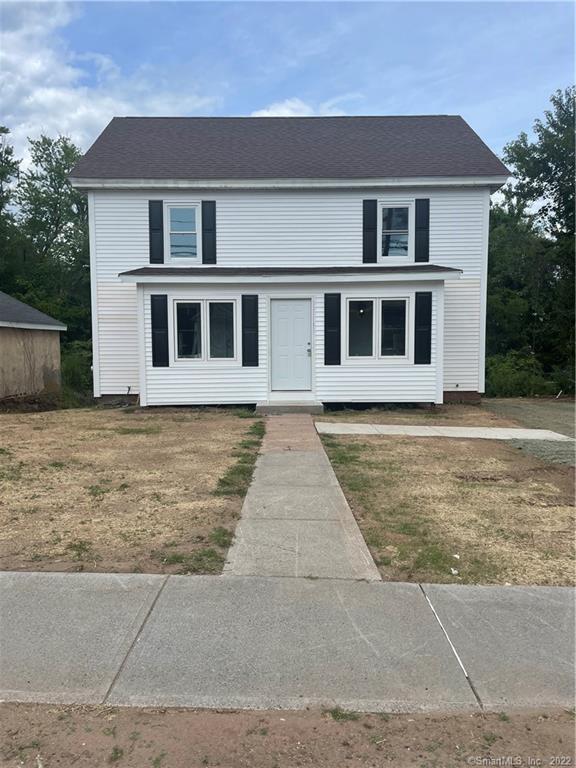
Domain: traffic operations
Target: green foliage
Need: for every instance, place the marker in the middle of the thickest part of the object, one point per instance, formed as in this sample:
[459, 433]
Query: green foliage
[516, 374]
[44, 258]
[76, 366]
[530, 318]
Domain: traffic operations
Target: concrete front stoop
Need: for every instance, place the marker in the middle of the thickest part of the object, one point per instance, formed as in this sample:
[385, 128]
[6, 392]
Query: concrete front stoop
[278, 408]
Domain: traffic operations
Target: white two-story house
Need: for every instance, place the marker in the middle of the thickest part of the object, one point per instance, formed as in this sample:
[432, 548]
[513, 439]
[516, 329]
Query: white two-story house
[289, 260]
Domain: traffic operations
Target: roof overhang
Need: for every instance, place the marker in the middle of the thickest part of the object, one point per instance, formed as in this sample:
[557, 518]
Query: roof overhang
[279, 275]
[493, 182]
[32, 326]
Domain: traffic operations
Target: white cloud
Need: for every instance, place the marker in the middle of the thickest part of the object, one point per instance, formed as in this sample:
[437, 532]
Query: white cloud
[295, 107]
[44, 83]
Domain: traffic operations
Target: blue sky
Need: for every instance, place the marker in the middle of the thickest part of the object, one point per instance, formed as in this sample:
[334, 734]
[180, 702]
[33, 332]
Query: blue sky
[69, 67]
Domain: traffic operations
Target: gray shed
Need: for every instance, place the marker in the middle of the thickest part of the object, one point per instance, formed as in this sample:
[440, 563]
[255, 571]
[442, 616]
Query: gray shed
[29, 349]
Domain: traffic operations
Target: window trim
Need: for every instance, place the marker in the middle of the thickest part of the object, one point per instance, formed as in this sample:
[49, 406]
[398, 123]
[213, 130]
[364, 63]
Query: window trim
[168, 258]
[398, 203]
[204, 330]
[377, 330]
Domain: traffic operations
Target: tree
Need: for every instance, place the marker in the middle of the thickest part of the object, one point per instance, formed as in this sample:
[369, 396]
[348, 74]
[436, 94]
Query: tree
[531, 263]
[544, 168]
[11, 237]
[53, 217]
[8, 170]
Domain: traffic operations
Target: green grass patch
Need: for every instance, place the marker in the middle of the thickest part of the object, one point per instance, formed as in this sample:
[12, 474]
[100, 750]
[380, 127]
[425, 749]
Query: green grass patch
[207, 560]
[341, 715]
[79, 549]
[236, 480]
[150, 430]
[97, 491]
[222, 537]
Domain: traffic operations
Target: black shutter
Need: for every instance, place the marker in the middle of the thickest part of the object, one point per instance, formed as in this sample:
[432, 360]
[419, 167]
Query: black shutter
[159, 314]
[332, 325]
[249, 330]
[156, 231]
[422, 231]
[369, 231]
[423, 328]
[208, 232]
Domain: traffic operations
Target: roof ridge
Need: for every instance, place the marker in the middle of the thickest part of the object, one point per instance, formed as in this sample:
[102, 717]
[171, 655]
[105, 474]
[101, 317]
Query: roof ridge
[280, 117]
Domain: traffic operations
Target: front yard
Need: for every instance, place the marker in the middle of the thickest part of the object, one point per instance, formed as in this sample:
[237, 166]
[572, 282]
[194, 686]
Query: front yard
[456, 510]
[461, 511]
[123, 490]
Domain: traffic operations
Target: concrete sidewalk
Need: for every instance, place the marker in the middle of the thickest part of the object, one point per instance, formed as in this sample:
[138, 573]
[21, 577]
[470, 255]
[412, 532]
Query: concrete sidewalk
[483, 433]
[209, 641]
[295, 520]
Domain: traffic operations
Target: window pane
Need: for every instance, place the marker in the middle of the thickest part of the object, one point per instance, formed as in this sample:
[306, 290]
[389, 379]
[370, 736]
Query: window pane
[221, 329]
[183, 246]
[182, 219]
[395, 246]
[189, 329]
[394, 218]
[360, 328]
[393, 341]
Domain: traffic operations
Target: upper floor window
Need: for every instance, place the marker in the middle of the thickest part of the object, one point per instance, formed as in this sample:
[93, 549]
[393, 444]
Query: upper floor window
[182, 231]
[396, 231]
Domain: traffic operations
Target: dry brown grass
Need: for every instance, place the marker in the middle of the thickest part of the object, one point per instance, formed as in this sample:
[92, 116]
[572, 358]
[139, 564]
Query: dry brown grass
[456, 415]
[420, 502]
[117, 490]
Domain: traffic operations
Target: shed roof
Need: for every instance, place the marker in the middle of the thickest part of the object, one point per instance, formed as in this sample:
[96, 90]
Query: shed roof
[16, 314]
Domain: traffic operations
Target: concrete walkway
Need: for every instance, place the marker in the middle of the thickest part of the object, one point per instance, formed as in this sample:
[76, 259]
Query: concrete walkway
[296, 521]
[485, 433]
[219, 642]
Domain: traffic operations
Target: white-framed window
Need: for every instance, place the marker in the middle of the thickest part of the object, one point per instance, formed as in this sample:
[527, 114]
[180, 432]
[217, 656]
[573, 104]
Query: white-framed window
[360, 318]
[182, 230]
[393, 327]
[221, 327]
[188, 317]
[205, 329]
[396, 231]
[377, 328]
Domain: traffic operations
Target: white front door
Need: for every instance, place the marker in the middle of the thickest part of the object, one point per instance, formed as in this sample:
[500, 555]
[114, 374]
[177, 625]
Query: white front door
[291, 344]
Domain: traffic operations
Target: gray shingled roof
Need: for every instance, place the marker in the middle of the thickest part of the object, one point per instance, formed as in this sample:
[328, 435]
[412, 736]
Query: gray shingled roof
[214, 148]
[419, 269]
[17, 313]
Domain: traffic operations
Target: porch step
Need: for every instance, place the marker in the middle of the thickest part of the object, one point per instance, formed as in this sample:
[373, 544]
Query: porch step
[275, 408]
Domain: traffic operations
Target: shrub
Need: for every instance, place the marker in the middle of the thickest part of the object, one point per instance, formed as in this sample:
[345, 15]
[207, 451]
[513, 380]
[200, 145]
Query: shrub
[77, 366]
[516, 374]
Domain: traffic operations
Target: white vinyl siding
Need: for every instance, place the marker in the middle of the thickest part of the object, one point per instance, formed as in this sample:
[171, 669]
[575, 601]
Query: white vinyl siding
[215, 382]
[462, 315]
[286, 228]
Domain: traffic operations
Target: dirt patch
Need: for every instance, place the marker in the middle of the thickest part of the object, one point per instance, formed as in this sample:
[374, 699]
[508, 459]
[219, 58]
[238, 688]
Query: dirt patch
[458, 511]
[455, 415]
[122, 490]
[38, 736]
